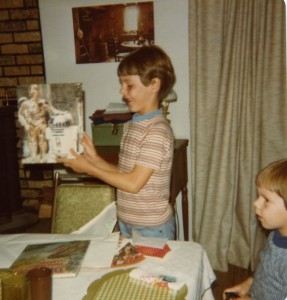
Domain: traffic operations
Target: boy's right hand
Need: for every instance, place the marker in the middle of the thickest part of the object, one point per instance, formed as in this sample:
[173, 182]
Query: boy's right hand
[234, 296]
[230, 295]
[238, 297]
[240, 290]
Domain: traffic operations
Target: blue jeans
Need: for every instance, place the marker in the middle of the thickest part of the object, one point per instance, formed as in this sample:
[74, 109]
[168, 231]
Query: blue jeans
[166, 230]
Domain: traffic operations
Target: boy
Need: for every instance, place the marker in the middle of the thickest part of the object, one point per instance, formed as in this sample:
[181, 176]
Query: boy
[270, 279]
[142, 177]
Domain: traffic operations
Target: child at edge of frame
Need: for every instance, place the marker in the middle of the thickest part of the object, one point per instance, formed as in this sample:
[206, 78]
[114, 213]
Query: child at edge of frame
[270, 278]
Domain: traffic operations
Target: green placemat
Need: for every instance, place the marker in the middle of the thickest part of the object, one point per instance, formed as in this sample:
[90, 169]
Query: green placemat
[118, 285]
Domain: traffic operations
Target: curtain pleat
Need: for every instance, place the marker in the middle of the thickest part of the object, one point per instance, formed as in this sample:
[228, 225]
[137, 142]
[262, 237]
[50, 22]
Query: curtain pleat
[238, 123]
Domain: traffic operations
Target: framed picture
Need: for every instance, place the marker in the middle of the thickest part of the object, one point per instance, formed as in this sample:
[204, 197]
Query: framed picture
[107, 33]
[52, 117]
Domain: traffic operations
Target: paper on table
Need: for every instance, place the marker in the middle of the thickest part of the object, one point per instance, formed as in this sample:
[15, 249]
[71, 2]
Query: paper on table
[102, 225]
[157, 278]
[126, 255]
[100, 253]
[138, 239]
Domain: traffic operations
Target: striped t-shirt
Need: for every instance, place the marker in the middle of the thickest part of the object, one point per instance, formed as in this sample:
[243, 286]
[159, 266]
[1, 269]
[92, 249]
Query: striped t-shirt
[149, 143]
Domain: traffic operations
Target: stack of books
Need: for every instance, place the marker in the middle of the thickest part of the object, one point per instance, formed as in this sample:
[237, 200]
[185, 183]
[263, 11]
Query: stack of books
[114, 113]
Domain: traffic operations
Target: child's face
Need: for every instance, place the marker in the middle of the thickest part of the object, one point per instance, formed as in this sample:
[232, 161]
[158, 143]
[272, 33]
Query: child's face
[141, 99]
[271, 211]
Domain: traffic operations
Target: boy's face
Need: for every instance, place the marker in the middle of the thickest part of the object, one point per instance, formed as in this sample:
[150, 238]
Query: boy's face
[271, 211]
[141, 99]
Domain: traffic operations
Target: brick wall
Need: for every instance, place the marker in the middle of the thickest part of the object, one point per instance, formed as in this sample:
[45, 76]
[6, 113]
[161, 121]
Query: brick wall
[21, 63]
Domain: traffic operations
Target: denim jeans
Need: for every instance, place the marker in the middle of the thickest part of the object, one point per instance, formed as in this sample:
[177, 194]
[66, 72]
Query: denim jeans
[166, 230]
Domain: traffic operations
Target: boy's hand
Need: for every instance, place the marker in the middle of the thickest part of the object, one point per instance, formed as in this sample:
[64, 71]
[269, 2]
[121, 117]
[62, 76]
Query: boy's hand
[79, 164]
[90, 152]
[233, 295]
[230, 295]
[240, 290]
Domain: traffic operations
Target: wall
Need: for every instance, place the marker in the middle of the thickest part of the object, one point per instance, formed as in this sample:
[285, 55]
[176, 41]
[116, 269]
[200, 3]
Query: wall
[22, 62]
[100, 82]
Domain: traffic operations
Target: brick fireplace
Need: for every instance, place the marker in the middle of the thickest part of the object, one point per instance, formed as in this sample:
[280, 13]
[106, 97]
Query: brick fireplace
[21, 63]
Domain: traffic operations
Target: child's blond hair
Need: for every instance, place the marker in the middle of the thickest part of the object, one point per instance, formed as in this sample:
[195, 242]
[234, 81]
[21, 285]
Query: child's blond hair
[274, 178]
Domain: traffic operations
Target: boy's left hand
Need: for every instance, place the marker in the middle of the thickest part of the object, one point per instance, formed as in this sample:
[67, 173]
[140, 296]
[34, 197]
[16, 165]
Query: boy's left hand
[78, 165]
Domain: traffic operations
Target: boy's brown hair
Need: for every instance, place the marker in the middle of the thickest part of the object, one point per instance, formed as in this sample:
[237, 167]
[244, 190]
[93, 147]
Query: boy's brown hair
[274, 178]
[149, 62]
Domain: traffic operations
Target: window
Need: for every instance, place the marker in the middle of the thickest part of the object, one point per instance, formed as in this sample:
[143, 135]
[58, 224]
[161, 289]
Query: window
[131, 18]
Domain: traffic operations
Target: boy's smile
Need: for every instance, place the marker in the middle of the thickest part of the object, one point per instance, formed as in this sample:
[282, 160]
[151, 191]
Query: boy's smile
[141, 99]
[271, 211]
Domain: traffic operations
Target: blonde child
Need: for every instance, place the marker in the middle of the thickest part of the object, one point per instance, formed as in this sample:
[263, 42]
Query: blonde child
[270, 279]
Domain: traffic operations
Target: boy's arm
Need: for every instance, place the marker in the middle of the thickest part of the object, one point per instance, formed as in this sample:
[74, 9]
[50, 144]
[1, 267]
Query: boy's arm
[131, 182]
[241, 289]
[90, 153]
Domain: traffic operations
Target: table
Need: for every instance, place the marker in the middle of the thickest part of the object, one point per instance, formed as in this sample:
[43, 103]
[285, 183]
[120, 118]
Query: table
[179, 175]
[131, 45]
[188, 258]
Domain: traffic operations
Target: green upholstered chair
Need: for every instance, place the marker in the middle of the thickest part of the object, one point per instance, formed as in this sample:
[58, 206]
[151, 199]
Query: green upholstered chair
[75, 204]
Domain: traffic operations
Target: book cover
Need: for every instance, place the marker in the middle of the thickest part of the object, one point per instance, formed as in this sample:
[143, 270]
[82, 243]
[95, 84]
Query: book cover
[127, 255]
[64, 258]
[52, 121]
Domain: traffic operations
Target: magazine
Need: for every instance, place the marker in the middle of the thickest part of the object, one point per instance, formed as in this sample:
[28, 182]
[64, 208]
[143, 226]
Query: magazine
[52, 119]
[64, 258]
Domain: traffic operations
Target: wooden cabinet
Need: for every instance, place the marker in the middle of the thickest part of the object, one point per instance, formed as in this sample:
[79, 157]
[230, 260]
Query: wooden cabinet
[179, 177]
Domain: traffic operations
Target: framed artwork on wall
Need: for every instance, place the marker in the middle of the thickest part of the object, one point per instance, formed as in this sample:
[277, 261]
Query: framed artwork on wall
[107, 33]
[52, 119]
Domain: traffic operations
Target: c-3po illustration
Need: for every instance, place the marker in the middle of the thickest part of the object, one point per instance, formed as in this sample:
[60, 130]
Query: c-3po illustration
[50, 132]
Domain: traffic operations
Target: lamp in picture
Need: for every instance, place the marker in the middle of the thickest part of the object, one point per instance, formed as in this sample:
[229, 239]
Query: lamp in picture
[171, 97]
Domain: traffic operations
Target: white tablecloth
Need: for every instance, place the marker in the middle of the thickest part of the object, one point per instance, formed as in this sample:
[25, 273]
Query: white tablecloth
[187, 259]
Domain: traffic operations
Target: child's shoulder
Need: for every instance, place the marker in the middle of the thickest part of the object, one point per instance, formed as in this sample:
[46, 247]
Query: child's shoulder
[159, 120]
[159, 123]
[277, 239]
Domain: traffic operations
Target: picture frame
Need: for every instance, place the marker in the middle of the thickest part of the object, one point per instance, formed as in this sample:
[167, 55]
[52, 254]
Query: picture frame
[107, 33]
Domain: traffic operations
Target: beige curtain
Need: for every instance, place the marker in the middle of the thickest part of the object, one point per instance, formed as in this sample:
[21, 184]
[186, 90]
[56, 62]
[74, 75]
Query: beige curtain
[238, 119]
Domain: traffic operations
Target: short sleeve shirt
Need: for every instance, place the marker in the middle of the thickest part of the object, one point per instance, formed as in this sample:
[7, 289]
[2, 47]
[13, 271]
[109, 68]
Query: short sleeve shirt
[149, 143]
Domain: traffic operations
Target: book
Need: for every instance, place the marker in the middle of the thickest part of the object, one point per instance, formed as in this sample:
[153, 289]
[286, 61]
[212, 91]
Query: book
[52, 121]
[115, 108]
[127, 255]
[64, 258]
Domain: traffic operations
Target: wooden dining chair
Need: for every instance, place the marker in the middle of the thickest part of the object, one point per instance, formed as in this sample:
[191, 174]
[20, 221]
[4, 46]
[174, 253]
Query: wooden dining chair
[77, 200]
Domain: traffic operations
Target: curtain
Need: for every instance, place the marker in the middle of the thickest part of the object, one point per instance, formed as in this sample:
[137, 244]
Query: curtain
[238, 120]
